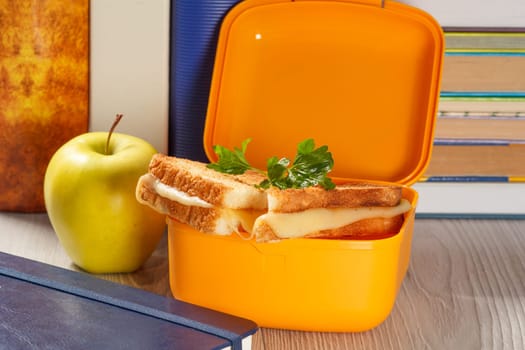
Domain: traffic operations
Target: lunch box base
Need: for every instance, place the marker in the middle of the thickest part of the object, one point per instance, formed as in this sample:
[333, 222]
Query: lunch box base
[301, 284]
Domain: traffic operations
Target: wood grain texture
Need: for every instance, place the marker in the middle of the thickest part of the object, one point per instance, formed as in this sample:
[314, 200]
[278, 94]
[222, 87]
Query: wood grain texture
[465, 287]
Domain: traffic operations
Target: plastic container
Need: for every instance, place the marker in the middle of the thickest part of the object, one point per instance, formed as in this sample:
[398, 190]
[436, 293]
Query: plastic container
[359, 76]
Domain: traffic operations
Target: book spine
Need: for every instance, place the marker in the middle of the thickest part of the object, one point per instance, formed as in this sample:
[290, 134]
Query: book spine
[476, 142]
[468, 178]
[485, 104]
[195, 28]
[482, 94]
[485, 52]
[491, 97]
[478, 114]
[481, 116]
[480, 29]
[129, 67]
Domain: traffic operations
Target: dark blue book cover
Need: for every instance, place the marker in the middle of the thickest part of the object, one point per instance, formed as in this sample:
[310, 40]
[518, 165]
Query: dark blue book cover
[46, 307]
[195, 28]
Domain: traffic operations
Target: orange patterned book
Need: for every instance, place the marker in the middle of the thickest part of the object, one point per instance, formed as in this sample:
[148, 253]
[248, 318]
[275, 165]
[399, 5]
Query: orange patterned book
[44, 92]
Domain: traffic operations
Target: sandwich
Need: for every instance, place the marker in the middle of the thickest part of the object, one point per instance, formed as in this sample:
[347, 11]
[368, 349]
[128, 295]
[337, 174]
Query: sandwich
[246, 203]
[203, 198]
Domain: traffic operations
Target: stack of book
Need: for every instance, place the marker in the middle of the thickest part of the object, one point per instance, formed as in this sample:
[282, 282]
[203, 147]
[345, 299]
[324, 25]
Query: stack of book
[480, 128]
[477, 167]
[479, 146]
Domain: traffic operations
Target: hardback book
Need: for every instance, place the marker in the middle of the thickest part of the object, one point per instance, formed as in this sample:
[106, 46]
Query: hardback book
[44, 74]
[129, 71]
[477, 71]
[193, 37]
[481, 104]
[453, 157]
[476, 127]
[484, 39]
[46, 307]
[470, 197]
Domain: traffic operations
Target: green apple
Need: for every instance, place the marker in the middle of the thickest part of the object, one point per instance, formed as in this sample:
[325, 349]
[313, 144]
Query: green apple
[89, 193]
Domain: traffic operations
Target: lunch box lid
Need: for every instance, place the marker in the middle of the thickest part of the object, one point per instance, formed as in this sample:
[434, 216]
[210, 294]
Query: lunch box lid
[360, 76]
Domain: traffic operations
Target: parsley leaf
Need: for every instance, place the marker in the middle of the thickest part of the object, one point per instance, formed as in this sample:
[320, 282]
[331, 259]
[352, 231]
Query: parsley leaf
[277, 172]
[231, 162]
[309, 168]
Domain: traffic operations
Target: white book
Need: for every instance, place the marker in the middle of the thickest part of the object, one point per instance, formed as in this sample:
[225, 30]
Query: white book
[471, 199]
[129, 68]
[474, 13]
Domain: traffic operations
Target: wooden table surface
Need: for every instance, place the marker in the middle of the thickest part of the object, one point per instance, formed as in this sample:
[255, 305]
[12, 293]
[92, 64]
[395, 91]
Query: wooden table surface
[465, 287]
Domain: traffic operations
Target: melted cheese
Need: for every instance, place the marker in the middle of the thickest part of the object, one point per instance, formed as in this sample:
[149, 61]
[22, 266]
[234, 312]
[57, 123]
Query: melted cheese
[291, 225]
[238, 220]
[175, 195]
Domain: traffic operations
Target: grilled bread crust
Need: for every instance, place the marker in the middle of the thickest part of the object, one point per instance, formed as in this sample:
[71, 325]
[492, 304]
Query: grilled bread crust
[218, 189]
[373, 228]
[348, 195]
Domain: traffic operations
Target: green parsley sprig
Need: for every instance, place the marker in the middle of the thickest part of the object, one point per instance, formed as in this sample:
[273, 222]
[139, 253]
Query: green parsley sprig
[231, 162]
[310, 166]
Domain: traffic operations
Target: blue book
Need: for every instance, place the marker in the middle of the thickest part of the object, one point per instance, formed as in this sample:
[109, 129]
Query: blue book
[47, 307]
[194, 32]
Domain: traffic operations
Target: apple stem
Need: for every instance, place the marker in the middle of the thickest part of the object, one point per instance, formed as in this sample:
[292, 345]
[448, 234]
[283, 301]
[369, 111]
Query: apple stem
[115, 123]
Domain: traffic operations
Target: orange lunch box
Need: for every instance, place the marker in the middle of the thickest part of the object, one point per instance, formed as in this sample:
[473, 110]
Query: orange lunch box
[359, 76]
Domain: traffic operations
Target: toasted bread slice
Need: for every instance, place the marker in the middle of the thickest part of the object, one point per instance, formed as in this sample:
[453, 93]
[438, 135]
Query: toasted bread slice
[207, 200]
[196, 180]
[348, 195]
[349, 210]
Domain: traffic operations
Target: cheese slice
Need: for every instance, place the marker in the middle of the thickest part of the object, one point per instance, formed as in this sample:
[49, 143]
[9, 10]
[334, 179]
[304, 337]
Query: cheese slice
[175, 195]
[299, 224]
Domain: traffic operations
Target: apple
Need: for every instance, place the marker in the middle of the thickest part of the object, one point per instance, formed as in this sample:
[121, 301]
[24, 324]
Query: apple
[89, 194]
